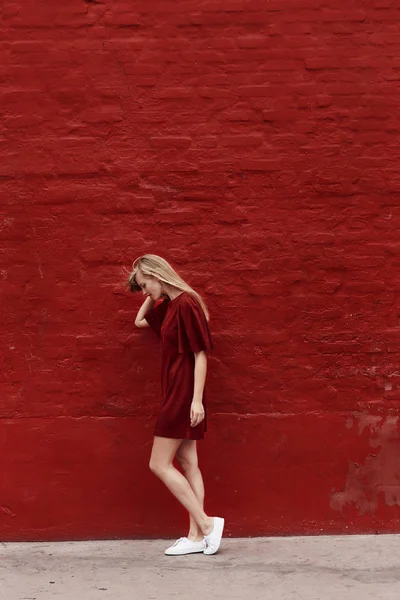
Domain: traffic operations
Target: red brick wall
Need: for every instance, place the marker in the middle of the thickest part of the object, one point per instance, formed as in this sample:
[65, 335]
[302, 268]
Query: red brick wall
[255, 145]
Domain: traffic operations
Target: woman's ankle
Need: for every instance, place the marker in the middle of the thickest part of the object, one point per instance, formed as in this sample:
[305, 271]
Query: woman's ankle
[195, 537]
[208, 526]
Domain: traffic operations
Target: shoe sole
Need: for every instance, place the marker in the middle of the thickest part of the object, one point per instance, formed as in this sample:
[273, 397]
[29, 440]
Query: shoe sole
[182, 553]
[220, 540]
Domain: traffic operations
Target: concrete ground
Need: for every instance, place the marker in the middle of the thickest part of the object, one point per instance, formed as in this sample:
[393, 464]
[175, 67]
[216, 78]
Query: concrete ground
[286, 568]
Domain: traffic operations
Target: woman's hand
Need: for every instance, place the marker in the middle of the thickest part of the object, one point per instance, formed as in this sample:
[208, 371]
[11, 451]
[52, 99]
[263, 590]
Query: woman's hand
[196, 413]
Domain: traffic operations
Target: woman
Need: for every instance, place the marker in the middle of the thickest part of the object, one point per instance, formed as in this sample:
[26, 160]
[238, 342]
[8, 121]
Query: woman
[180, 321]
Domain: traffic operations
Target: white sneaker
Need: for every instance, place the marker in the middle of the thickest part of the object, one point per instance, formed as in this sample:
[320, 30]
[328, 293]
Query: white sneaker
[213, 539]
[185, 546]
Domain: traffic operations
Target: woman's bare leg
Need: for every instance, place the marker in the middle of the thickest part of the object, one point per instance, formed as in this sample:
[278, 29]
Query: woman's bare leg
[161, 464]
[187, 458]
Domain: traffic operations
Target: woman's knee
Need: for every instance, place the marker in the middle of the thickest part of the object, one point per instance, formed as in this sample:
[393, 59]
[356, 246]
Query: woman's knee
[187, 461]
[157, 468]
[162, 454]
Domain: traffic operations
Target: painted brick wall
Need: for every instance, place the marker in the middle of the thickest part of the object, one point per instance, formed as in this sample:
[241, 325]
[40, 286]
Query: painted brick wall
[254, 145]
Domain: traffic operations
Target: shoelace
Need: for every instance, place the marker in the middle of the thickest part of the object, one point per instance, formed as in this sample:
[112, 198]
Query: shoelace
[180, 540]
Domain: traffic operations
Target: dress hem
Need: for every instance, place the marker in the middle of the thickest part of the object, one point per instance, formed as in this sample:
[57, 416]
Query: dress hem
[178, 437]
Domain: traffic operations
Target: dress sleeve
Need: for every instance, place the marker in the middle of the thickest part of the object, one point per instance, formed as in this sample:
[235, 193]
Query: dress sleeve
[155, 316]
[193, 331]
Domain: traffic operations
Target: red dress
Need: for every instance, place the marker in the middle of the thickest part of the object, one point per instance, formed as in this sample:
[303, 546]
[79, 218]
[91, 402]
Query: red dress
[182, 326]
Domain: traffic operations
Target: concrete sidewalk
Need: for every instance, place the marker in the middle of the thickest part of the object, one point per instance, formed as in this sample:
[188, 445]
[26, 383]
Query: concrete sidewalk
[289, 568]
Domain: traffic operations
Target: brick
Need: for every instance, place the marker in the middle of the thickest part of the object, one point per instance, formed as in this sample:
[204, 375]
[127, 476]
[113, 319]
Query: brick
[229, 6]
[214, 92]
[280, 115]
[203, 56]
[147, 116]
[281, 65]
[170, 142]
[130, 44]
[175, 93]
[334, 63]
[383, 3]
[254, 91]
[253, 41]
[346, 89]
[343, 27]
[212, 79]
[208, 142]
[126, 16]
[352, 16]
[242, 140]
[143, 69]
[242, 115]
[28, 46]
[385, 39]
[103, 115]
[260, 165]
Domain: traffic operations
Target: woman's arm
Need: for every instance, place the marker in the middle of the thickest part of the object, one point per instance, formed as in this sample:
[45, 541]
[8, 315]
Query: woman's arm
[200, 372]
[146, 306]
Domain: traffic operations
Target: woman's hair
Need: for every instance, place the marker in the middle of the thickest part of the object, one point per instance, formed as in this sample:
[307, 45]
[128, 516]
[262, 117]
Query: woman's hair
[151, 264]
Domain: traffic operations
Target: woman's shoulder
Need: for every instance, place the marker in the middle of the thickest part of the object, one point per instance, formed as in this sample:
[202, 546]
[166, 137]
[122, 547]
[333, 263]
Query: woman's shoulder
[189, 304]
[187, 298]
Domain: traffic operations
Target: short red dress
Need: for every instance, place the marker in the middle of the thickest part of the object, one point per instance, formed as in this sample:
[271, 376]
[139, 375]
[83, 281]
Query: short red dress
[182, 326]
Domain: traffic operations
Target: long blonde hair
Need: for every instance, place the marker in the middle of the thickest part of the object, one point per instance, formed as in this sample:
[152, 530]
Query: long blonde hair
[151, 264]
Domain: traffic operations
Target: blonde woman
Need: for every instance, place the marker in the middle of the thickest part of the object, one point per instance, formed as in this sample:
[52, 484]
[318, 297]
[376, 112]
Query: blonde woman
[180, 322]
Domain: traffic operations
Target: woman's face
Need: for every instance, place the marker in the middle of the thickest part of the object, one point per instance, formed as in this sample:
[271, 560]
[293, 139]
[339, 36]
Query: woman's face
[150, 286]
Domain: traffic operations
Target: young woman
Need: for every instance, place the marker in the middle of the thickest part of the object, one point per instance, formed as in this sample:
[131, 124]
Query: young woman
[180, 321]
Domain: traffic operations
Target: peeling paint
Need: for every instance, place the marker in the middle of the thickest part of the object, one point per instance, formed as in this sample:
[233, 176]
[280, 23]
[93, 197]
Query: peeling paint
[380, 473]
[7, 511]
